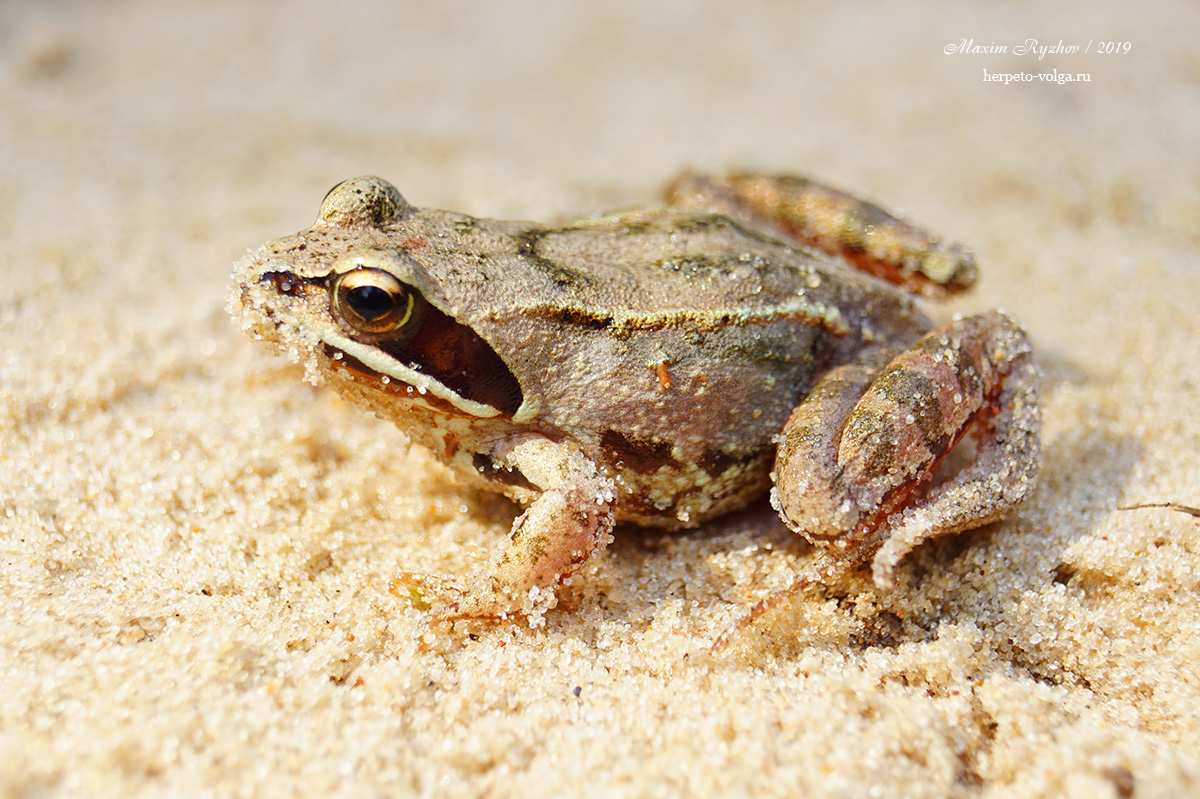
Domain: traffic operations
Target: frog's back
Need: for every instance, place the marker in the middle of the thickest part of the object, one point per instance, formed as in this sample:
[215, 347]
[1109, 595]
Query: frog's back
[675, 264]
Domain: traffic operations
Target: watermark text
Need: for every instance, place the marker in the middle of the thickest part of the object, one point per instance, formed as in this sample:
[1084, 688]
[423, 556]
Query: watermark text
[1035, 48]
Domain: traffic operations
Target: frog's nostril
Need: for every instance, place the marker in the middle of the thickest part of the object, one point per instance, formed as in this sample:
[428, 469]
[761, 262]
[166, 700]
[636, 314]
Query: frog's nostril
[282, 282]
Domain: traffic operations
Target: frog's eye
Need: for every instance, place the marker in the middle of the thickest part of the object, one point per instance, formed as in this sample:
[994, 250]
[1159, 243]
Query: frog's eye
[373, 302]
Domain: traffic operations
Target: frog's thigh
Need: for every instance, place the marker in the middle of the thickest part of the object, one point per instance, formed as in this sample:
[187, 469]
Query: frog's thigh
[972, 375]
[572, 518]
[809, 490]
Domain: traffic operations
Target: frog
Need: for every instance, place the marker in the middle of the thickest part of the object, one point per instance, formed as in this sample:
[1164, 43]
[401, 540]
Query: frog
[752, 335]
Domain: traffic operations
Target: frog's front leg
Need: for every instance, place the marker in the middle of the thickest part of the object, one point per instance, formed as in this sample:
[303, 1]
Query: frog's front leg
[571, 519]
[859, 452]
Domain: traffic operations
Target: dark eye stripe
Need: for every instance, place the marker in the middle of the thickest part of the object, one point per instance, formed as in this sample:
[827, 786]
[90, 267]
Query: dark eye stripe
[396, 319]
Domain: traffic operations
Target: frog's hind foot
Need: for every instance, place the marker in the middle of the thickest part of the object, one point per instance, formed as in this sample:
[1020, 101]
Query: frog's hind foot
[426, 592]
[447, 601]
[819, 572]
[858, 456]
[859, 453]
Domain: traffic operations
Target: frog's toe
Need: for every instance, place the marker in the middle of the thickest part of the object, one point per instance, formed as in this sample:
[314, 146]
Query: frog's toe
[447, 601]
[423, 591]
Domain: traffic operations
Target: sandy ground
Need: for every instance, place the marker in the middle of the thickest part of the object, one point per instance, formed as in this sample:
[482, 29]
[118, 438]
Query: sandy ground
[198, 546]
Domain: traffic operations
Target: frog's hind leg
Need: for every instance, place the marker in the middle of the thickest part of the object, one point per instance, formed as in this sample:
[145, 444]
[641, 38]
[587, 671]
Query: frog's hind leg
[1007, 432]
[860, 232]
[858, 454]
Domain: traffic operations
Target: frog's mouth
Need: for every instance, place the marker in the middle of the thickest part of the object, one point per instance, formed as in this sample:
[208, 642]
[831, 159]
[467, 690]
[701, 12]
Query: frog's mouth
[404, 381]
[432, 396]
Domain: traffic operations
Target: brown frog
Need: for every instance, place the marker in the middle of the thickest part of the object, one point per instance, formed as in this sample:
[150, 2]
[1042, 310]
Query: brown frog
[663, 366]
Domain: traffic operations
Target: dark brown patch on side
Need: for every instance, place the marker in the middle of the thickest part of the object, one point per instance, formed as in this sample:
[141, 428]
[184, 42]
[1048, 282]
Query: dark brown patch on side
[716, 462]
[643, 457]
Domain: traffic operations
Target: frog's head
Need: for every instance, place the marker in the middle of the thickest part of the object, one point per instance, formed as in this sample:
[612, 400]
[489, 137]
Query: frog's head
[355, 308]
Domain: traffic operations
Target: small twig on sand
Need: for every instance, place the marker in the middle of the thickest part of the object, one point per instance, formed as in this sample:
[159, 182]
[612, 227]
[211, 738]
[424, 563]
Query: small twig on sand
[1188, 509]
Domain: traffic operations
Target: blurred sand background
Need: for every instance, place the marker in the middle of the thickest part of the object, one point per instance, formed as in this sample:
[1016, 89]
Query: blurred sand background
[197, 546]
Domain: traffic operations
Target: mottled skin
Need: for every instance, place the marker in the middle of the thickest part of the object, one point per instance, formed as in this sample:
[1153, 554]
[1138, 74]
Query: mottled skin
[641, 367]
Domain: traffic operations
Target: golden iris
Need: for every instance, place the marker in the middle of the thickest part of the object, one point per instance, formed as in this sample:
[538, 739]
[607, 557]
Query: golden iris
[372, 301]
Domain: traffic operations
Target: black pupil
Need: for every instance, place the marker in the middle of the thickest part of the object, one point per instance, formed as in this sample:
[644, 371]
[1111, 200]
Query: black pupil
[371, 302]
